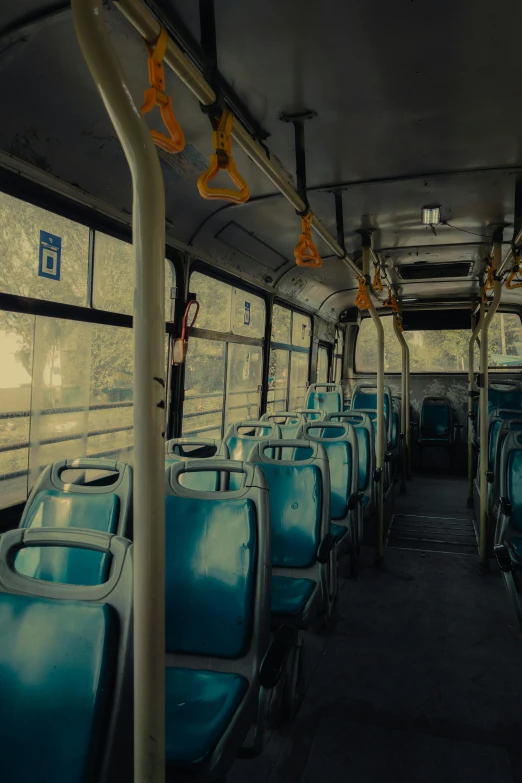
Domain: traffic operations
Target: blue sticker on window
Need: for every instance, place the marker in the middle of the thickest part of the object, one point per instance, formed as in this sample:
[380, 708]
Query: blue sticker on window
[50, 256]
[247, 314]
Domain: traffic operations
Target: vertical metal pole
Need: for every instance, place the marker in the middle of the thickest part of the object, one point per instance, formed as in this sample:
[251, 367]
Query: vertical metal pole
[339, 217]
[471, 359]
[379, 451]
[484, 350]
[407, 411]
[149, 405]
[404, 398]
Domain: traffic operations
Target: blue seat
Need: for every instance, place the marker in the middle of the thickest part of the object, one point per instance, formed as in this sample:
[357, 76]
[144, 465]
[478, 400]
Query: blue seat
[303, 554]
[504, 394]
[365, 398]
[311, 414]
[500, 429]
[217, 618]
[242, 437]
[340, 443]
[327, 397]
[289, 424]
[364, 429]
[103, 507]
[181, 449]
[65, 665]
[436, 421]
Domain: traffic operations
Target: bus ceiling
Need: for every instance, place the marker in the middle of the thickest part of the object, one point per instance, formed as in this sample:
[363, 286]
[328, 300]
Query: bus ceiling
[380, 155]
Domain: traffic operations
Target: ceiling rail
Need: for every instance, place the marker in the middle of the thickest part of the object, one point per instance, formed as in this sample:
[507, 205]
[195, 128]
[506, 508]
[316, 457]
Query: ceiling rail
[144, 21]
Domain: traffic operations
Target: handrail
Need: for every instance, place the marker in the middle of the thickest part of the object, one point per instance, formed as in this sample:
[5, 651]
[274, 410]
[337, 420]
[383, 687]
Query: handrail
[144, 21]
[471, 360]
[405, 398]
[149, 507]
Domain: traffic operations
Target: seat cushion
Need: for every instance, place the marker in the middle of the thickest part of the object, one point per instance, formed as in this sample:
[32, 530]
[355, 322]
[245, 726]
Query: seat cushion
[57, 662]
[52, 508]
[199, 706]
[338, 531]
[289, 595]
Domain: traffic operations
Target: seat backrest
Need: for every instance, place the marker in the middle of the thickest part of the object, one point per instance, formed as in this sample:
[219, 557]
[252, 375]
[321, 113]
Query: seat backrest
[511, 475]
[436, 420]
[340, 443]
[504, 395]
[364, 430]
[217, 555]
[365, 398]
[241, 438]
[496, 419]
[66, 664]
[327, 397]
[184, 449]
[506, 427]
[289, 422]
[311, 414]
[299, 494]
[395, 431]
[100, 507]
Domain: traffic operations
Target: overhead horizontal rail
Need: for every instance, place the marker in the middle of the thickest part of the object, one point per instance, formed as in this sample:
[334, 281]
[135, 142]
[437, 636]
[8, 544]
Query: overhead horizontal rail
[144, 21]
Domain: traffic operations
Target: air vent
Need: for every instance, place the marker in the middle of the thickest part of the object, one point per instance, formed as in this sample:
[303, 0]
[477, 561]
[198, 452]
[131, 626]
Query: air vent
[242, 241]
[434, 271]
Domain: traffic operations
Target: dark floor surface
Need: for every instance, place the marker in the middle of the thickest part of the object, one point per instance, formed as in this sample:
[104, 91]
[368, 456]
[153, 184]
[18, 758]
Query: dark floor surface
[420, 681]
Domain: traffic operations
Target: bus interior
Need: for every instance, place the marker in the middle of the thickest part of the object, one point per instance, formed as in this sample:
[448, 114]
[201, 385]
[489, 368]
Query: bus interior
[260, 391]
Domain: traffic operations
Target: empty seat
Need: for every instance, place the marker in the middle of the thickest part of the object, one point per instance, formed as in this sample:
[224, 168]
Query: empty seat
[241, 438]
[505, 394]
[327, 397]
[500, 427]
[289, 422]
[183, 449]
[101, 506]
[65, 665]
[365, 398]
[340, 443]
[364, 429]
[217, 555]
[311, 414]
[436, 421]
[303, 551]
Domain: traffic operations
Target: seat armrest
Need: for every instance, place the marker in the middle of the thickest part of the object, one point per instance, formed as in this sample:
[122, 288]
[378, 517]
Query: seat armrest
[354, 500]
[276, 656]
[505, 506]
[325, 548]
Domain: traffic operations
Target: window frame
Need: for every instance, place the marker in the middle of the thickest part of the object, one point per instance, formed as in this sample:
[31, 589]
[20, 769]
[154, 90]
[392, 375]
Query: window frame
[274, 345]
[504, 370]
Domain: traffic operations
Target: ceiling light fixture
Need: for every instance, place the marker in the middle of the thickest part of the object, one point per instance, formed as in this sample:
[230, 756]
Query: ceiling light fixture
[430, 216]
[408, 299]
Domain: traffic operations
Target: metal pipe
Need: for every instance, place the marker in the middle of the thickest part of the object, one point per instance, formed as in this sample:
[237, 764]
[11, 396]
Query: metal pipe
[471, 361]
[379, 448]
[484, 450]
[404, 398]
[408, 410]
[144, 21]
[149, 516]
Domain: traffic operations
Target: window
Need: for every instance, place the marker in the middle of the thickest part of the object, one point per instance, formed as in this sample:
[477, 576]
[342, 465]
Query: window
[441, 350]
[338, 356]
[113, 278]
[223, 378]
[322, 364]
[44, 256]
[289, 359]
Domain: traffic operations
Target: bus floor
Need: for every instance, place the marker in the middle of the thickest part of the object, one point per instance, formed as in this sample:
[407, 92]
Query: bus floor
[421, 679]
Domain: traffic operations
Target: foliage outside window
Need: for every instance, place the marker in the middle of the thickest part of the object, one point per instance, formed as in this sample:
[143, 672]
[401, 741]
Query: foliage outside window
[440, 350]
[288, 371]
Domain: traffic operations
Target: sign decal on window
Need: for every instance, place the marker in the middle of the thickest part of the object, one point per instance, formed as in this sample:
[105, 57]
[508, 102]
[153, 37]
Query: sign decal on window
[246, 319]
[49, 256]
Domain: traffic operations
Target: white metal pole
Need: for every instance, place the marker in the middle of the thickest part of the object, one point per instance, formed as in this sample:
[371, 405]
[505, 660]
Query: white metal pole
[484, 358]
[379, 451]
[149, 370]
[404, 398]
[471, 359]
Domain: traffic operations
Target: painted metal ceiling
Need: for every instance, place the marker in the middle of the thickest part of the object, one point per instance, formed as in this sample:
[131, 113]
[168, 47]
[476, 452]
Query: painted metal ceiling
[415, 104]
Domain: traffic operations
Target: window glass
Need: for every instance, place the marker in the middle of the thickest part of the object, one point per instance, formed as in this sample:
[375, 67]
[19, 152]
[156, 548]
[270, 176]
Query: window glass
[16, 359]
[338, 355]
[298, 380]
[215, 300]
[281, 324]
[277, 381]
[301, 330]
[204, 388]
[113, 278]
[441, 350]
[44, 256]
[244, 378]
[248, 314]
[322, 365]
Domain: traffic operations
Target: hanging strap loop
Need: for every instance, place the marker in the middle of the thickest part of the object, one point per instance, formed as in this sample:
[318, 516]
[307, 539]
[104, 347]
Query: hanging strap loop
[514, 272]
[305, 251]
[185, 330]
[155, 95]
[222, 159]
[362, 300]
[391, 301]
[377, 282]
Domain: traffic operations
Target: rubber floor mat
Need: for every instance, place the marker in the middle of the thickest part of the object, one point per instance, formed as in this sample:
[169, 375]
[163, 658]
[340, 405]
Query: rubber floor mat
[432, 534]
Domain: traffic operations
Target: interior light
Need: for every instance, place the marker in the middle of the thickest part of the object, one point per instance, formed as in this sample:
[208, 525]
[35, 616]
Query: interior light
[430, 216]
[409, 299]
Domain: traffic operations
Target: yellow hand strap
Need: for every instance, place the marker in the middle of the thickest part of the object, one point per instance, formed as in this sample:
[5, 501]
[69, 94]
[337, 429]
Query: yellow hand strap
[362, 300]
[305, 251]
[222, 159]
